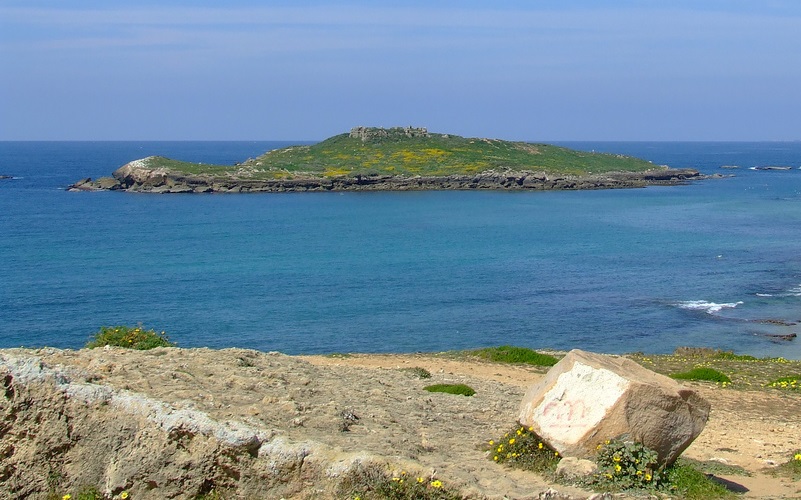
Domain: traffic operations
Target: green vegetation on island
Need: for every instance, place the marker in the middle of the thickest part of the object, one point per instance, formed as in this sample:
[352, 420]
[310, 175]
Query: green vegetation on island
[414, 151]
[395, 159]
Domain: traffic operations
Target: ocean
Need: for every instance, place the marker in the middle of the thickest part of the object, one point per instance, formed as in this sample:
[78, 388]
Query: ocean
[715, 263]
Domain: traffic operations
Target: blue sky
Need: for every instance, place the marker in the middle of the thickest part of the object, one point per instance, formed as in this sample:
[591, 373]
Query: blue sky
[527, 70]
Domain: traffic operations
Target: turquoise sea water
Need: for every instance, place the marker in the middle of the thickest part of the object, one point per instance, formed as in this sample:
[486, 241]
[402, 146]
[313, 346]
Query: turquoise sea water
[612, 271]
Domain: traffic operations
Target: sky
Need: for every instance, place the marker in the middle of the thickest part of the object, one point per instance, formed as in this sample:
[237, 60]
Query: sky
[629, 70]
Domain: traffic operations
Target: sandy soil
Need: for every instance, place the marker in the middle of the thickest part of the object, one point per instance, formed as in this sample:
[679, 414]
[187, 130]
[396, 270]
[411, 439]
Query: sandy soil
[751, 429]
[307, 399]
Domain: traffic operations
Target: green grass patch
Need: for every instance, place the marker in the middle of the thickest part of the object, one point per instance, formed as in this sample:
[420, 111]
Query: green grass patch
[704, 374]
[717, 468]
[747, 373]
[684, 480]
[511, 354]
[791, 383]
[458, 389]
[128, 337]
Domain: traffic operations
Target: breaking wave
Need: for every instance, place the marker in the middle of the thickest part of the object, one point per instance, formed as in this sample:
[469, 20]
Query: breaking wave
[708, 307]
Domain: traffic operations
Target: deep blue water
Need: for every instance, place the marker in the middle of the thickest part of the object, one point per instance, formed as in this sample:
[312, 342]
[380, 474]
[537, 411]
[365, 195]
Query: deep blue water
[612, 271]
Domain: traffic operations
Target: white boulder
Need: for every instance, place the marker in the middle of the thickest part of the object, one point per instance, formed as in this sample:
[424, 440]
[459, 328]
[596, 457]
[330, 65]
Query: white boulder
[588, 398]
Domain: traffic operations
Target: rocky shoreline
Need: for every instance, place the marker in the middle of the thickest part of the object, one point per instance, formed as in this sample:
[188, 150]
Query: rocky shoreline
[137, 177]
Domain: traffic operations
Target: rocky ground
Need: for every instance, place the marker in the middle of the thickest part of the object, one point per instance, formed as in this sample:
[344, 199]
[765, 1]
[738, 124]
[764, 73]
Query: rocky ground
[174, 423]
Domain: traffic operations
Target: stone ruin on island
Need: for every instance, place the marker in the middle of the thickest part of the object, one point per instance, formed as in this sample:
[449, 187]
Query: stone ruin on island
[369, 133]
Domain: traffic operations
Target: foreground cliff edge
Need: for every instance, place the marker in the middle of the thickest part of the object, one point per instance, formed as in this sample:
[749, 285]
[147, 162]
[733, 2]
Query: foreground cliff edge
[395, 159]
[182, 423]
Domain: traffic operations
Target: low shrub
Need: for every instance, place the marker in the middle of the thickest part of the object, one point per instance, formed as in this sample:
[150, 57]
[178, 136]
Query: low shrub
[709, 353]
[626, 465]
[622, 466]
[731, 356]
[417, 371]
[522, 448]
[373, 482]
[704, 374]
[459, 389]
[792, 383]
[512, 354]
[790, 468]
[131, 338]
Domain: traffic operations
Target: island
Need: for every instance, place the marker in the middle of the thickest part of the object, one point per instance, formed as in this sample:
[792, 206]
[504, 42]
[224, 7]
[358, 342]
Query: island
[395, 159]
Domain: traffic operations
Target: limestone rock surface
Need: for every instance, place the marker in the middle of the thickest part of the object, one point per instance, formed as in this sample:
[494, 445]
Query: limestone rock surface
[588, 398]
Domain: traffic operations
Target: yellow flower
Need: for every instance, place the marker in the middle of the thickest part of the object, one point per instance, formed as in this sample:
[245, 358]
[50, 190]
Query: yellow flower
[492, 443]
[512, 441]
[124, 495]
[495, 458]
[539, 446]
[556, 453]
[616, 458]
[647, 477]
[436, 483]
[618, 468]
[66, 497]
[797, 457]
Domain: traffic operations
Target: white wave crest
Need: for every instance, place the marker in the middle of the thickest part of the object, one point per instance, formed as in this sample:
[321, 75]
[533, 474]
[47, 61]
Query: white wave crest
[709, 307]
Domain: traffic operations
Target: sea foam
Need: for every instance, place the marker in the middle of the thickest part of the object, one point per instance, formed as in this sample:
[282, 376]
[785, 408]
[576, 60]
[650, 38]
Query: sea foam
[708, 307]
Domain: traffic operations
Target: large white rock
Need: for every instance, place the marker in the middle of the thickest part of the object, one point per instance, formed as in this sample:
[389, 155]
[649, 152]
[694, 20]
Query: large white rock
[588, 398]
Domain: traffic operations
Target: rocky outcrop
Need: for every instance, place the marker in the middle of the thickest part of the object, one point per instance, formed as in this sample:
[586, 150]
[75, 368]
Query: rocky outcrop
[137, 176]
[179, 423]
[60, 431]
[367, 134]
[587, 398]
